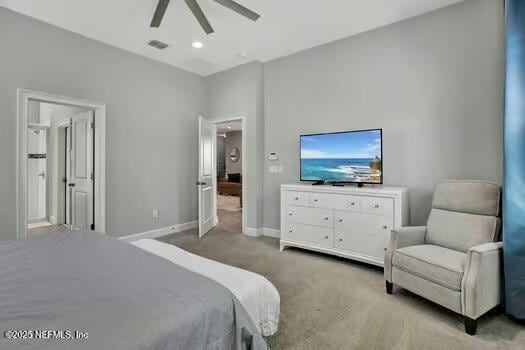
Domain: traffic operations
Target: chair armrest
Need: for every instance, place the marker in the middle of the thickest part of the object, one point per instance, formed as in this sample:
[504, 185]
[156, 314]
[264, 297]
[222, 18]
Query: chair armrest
[481, 284]
[486, 248]
[399, 238]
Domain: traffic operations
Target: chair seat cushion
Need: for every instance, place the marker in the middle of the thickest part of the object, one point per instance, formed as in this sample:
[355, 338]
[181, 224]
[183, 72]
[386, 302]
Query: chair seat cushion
[434, 263]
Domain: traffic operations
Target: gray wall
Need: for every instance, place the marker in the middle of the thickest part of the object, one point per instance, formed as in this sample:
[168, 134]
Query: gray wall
[433, 83]
[233, 139]
[236, 92]
[221, 157]
[151, 120]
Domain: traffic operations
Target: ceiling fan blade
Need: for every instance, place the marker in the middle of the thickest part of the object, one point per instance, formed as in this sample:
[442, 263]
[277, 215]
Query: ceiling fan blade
[236, 7]
[159, 13]
[199, 15]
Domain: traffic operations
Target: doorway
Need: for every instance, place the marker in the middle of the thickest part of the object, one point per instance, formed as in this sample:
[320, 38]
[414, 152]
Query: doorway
[229, 175]
[230, 171]
[222, 187]
[61, 164]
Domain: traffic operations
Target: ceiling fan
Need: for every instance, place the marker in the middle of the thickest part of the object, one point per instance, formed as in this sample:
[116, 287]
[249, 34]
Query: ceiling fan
[199, 15]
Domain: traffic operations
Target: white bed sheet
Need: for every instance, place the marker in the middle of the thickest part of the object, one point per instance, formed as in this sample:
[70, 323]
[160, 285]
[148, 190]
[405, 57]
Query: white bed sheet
[257, 295]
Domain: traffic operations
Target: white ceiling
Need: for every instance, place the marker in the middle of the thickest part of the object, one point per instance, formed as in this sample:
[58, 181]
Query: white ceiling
[286, 26]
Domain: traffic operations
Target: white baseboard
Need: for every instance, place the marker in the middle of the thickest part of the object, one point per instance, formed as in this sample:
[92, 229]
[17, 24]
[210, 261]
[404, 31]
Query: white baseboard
[252, 232]
[161, 231]
[53, 220]
[262, 231]
[270, 232]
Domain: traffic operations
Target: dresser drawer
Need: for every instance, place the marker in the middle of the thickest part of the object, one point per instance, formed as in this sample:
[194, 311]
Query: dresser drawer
[378, 206]
[297, 198]
[363, 244]
[335, 201]
[310, 216]
[346, 222]
[309, 234]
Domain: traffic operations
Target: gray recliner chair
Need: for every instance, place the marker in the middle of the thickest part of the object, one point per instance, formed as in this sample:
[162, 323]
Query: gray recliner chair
[455, 260]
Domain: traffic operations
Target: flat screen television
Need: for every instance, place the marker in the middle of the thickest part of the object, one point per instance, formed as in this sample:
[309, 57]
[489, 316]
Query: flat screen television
[343, 157]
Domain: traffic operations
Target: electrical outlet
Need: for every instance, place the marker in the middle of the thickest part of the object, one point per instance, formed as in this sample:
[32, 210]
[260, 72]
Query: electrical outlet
[156, 213]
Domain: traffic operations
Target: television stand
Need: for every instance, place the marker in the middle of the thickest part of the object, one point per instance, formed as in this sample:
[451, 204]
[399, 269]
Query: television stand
[358, 225]
[318, 183]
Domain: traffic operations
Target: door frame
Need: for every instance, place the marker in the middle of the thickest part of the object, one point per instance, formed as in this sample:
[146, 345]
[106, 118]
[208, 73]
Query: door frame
[244, 167]
[62, 170]
[23, 98]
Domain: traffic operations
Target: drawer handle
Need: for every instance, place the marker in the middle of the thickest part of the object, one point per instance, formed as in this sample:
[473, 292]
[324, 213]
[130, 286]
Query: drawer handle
[291, 231]
[326, 218]
[340, 220]
[290, 214]
[352, 204]
[316, 200]
[325, 237]
[296, 198]
[340, 239]
[376, 206]
[385, 227]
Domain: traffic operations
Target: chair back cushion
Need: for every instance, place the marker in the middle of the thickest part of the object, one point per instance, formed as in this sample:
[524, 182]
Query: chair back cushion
[460, 231]
[480, 198]
[464, 214]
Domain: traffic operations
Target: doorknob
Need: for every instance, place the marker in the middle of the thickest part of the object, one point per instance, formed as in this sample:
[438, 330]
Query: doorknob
[200, 183]
[71, 184]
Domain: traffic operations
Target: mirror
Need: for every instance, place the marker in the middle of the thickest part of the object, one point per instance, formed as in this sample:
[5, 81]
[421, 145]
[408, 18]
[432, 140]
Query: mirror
[235, 154]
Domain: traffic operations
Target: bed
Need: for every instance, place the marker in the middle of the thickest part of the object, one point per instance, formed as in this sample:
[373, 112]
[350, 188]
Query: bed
[257, 295]
[83, 290]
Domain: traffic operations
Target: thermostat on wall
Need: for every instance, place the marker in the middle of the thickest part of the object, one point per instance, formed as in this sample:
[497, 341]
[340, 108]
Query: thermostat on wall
[273, 156]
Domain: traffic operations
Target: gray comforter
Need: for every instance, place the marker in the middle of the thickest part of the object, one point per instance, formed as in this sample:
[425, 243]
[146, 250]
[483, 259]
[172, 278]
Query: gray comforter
[63, 288]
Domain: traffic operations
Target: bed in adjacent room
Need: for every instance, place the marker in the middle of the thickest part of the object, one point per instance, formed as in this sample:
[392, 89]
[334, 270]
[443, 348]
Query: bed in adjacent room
[117, 295]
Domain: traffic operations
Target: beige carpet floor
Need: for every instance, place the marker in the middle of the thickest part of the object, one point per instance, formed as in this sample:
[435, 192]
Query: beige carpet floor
[47, 229]
[229, 203]
[331, 303]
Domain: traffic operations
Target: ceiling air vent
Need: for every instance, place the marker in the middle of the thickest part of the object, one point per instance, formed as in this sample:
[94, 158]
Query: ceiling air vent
[158, 44]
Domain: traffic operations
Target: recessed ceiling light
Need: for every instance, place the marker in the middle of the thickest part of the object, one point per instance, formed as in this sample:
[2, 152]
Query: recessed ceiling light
[197, 44]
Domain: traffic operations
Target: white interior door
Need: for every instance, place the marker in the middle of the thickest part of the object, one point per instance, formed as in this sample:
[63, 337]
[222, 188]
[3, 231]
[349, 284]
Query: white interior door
[80, 181]
[205, 182]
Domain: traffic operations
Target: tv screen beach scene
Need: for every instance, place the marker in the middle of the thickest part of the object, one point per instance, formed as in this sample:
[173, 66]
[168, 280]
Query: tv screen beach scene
[342, 157]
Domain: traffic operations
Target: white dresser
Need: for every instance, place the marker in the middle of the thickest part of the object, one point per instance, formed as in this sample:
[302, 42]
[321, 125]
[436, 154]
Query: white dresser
[346, 221]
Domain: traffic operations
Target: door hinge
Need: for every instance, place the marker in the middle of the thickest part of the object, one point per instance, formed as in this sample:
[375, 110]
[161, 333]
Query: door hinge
[92, 125]
[92, 177]
[92, 227]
